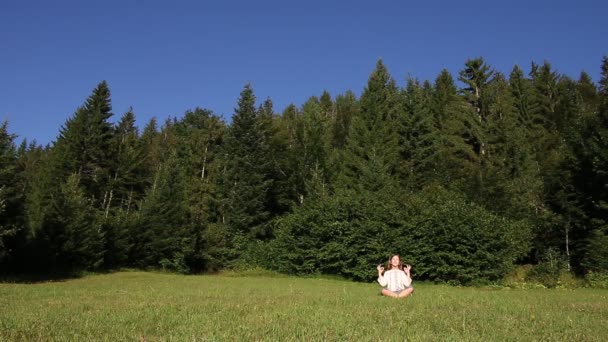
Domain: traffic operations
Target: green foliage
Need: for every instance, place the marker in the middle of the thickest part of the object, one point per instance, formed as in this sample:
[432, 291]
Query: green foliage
[11, 194]
[596, 256]
[71, 232]
[461, 242]
[84, 145]
[598, 280]
[443, 236]
[464, 183]
[161, 237]
[347, 107]
[419, 138]
[341, 234]
[248, 168]
[371, 157]
[548, 271]
[458, 129]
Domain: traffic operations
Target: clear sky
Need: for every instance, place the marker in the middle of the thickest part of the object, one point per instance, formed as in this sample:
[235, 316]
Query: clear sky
[164, 57]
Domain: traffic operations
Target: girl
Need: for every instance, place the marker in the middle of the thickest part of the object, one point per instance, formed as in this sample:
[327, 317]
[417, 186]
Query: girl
[397, 281]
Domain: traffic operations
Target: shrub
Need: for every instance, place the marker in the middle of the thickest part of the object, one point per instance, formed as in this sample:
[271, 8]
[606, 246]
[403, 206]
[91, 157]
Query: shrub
[442, 235]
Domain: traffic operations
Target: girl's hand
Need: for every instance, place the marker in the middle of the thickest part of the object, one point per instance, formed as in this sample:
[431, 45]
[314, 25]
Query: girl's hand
[407, 268]
[380, 269]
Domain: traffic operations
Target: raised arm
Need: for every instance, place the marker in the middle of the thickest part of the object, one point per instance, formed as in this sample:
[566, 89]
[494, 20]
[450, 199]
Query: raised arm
[381, 280]
[407, 269]
[408, 277]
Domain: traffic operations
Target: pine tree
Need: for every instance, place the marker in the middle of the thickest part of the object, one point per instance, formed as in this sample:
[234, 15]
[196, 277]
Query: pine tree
[11, 194]
[587, 94]
[279, 198]
[459, 129]
[84, 145]
[476, 76]
[328, 106]
[545, 80]
[162, 237]
[312, 150]
[125, 189]
[200, 135]
[247, 162]
[419, 137]
[512, 185]
[347, 107]
[75, 237]
[596, 187]
[371, 156]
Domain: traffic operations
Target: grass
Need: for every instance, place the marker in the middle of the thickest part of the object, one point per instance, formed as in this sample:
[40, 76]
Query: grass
[136, 306]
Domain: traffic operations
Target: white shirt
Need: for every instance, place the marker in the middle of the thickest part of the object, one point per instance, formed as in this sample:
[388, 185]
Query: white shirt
[394, 280]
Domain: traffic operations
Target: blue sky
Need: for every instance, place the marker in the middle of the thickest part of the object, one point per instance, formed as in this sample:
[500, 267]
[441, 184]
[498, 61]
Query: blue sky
[164, 57]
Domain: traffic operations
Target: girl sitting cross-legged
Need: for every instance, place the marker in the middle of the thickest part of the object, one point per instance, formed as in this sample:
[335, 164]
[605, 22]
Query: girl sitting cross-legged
[397, 281]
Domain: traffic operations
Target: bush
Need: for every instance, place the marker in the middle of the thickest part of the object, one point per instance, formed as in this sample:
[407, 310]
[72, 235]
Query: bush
[598, 280]
[549, 270]
[442, 235]
[462, 242]
[596, 256]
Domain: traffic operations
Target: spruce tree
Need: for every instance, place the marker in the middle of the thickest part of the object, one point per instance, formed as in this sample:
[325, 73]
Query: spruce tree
[371, 155]
[596, 189]
[162, 237]
[125, 188]
[200, 135]
[279, 198]
[419, 137]
[347, 107]
[84, 145]
[247, 162]
[312, 150]
[459, 129]
[328, 106]
[76, 239]
[511, 181]
[476, 76]
[11, 194]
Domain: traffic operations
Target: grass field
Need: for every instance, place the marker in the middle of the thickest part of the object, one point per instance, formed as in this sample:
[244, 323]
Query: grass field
[135, 306]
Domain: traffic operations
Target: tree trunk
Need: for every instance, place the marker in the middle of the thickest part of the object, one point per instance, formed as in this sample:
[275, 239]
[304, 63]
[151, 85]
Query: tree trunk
[204, 162]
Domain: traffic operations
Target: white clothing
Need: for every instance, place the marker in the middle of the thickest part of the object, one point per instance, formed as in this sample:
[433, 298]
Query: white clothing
[394, 280]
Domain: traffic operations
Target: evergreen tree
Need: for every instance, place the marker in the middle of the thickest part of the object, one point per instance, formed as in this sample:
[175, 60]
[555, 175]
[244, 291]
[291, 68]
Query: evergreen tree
[511, 182]
[458, 127]
[124, 190]
[84, 145]
[247, 162]
[11, 193]
[161, 234]
[419, 137]
[595, 188]
[311, 151]
[75, 238]
[476, 76]
[587, 94]
[328, 106]
[347, 107]
[201, 134]
[370, 159]
[545, 80]
[279, 198]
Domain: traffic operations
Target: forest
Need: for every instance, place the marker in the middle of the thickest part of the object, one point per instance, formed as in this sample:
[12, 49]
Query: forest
[467, 176]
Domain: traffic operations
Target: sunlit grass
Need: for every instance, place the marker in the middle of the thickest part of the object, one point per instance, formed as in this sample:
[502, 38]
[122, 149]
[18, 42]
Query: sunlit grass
[153, 306]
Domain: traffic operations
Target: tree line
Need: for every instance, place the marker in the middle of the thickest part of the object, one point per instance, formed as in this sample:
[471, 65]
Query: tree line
[466, 182]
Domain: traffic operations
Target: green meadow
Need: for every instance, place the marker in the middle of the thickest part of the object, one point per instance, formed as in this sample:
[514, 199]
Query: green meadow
[138, 306]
